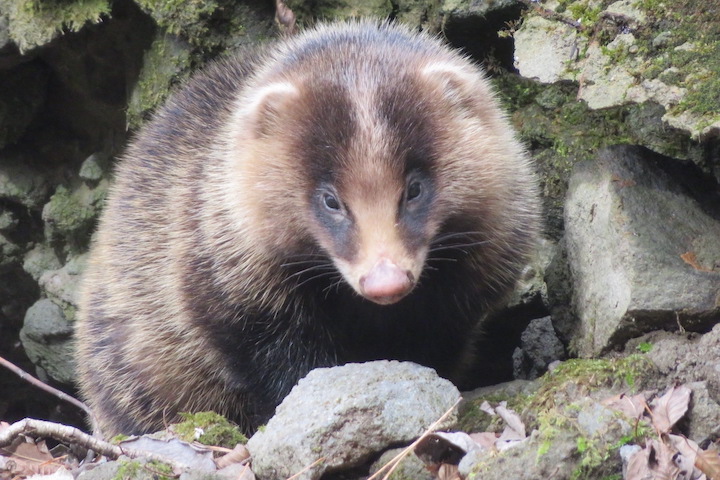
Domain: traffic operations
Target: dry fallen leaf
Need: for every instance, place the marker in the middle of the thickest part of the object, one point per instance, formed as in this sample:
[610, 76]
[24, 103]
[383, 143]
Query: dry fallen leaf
[237, 455]
[486, 440]
[26, 458]
[633, 407]
[708, 462]
[670, 408]
[685, 456]
[638, 467]
[487, 408]
[515, 429]
[448, 472]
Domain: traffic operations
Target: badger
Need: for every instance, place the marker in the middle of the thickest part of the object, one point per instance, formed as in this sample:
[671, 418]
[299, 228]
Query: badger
[348, 194]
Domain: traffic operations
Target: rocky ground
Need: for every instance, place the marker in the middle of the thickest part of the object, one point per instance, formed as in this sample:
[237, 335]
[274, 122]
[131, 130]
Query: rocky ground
[626, 282]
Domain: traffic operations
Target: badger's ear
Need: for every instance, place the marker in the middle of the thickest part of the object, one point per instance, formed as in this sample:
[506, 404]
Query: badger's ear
[267, 106]
[461, 85]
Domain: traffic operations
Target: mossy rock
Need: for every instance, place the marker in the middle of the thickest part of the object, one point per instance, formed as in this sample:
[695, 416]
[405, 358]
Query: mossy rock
[33, 23]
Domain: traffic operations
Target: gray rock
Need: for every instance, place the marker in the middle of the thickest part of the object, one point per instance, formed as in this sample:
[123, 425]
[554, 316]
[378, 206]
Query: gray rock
[62, 285]
[93, 168]
[626, 452]
[47, 339]
[642, 252]
[465, 8]
[71, 213]
[690, 359]
[503, 390]
[523, 462]
[8, 220]
[544, 48]
[531, 286]
[704, 414]
[410, 466]
[662, 39]
[40, 259]
[628, 10]
[21, 182]
[4, 34]
[549, 49]
[539, 347]
[346, 414]
[555, 454]
[173, 450]
[10, 253]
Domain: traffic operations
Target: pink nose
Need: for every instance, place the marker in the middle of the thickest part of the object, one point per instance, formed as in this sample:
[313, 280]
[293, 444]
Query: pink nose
[386, 283]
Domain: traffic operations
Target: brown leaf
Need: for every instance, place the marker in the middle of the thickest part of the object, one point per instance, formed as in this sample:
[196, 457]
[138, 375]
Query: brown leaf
[486, 440]
[448, 472]
[487, 408]
[638, 467]
[670, 408]
[708, 462]
[665, 469]
[27, 458]
[685, 458]
[237, 455]
[515, 429]
[632, 407]
[654, 462]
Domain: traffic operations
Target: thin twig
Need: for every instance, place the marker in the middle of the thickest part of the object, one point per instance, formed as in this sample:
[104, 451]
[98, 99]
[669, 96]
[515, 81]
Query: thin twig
[392, 464]
[71, 435]
[44, 386]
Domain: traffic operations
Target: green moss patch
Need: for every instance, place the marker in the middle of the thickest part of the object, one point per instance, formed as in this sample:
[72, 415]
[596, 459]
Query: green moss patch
[36, 22]
[208, 428]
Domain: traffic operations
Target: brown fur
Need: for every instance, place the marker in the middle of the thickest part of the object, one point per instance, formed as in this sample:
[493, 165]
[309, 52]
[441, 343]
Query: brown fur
[218, 277]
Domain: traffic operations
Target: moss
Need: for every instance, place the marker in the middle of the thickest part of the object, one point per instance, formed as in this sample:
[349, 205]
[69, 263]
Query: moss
[553, 413]
[160, 470]
[143, 470]
[181, 17]
[676, 42]
[35, 22]
[127, 470]
[119, 438]
[165, 64]
[213, 429]
[308, 12]
[72, 211]
[693, 26]
[471, 418]
[596, 373]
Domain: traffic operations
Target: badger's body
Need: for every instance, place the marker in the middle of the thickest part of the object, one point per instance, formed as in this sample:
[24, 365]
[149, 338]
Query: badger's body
[350, 194]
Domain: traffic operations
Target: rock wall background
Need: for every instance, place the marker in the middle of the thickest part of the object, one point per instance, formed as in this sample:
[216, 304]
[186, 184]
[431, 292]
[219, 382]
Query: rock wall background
[633, 245]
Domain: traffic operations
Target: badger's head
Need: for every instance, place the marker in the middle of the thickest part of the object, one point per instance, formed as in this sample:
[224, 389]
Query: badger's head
[369, 152]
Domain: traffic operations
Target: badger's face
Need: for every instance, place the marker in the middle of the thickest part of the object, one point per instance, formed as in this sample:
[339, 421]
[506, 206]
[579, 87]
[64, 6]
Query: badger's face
[376, 230]
[361, 158]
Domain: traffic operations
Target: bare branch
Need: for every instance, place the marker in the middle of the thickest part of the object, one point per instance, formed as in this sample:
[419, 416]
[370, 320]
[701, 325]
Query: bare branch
[73, 436]
[44, 386]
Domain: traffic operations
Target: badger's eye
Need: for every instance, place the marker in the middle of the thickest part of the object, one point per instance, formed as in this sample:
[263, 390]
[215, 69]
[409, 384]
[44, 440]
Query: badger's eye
[413, 191]
[331, 202]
